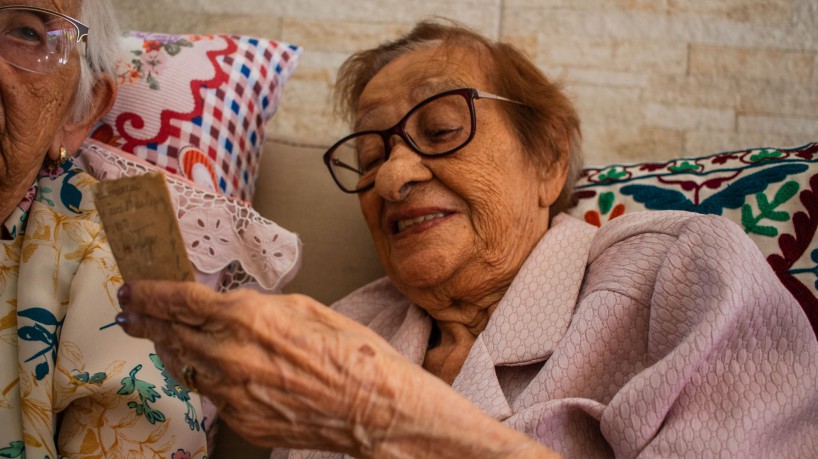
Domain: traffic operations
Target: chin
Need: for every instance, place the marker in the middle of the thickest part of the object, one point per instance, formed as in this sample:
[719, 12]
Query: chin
[419, 272]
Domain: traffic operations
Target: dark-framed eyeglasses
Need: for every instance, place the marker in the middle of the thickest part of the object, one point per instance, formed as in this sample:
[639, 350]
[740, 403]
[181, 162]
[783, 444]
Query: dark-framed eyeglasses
[438, 126]
[38, 40]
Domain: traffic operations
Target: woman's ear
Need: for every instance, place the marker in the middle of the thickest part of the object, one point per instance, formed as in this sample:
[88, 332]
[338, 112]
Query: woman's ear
[553, 180]
[74, 132]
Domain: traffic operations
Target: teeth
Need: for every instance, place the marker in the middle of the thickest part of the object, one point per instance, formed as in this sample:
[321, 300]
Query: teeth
[403, 224]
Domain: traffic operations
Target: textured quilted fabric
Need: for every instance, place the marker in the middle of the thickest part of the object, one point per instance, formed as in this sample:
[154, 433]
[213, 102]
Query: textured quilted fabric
[678, 341]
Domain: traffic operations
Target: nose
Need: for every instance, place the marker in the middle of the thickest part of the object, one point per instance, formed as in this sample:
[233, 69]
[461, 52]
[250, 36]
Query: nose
[403, 167]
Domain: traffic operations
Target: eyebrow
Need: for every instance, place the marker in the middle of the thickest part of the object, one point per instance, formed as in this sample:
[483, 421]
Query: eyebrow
[416, 95]
[422, 92]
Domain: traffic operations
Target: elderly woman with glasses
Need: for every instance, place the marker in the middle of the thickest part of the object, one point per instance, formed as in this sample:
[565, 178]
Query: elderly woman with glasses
[71, 385]
[503, 328]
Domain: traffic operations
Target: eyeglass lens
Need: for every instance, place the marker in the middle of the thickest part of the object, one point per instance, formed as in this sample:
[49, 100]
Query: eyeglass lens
[36, 41]
[435, 127]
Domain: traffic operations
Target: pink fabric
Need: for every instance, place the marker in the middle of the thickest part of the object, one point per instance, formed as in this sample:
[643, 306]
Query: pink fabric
[678, 340]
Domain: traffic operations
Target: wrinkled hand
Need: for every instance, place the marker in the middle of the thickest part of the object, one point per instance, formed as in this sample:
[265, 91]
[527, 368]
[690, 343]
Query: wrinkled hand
[284, 370]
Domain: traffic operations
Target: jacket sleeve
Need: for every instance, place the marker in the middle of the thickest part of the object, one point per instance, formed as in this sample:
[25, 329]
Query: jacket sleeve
[735, 367]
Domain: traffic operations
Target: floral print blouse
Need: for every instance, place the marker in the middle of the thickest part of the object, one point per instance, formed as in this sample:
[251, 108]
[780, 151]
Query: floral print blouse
[71, 383]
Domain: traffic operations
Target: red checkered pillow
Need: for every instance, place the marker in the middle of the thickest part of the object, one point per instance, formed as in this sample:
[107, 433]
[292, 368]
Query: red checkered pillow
[196, 105]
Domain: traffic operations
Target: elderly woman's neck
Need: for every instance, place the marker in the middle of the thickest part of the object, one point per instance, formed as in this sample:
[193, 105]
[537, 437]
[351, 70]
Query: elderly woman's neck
[469, 317]
[450, 344]
[466, 308]
[454, 330]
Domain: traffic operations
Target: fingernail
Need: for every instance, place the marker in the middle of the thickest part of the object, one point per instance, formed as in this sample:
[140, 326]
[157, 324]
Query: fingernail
[124, 295]
[122, 319]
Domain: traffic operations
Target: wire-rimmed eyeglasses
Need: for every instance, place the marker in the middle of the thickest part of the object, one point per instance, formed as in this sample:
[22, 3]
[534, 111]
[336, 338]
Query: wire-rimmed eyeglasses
[36, 39]
[438, 126]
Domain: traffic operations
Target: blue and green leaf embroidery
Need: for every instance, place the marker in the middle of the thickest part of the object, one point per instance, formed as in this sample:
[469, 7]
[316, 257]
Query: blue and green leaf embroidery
[174, 389]
[612, 175]
[146, 393]
[14, 449]
[46, 330]
[731, 197]
[767, 210]
[85, 377]
[686, 166]
[606, 201]
[765, 155]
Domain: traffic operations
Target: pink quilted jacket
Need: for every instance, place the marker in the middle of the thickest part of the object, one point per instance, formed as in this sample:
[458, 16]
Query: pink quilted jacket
[662, 334]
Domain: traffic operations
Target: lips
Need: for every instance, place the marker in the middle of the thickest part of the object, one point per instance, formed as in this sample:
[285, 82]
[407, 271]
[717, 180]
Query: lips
[406, 223]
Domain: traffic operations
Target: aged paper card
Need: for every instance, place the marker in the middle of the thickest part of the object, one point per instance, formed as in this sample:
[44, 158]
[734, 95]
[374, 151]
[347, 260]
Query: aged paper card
[141, 225]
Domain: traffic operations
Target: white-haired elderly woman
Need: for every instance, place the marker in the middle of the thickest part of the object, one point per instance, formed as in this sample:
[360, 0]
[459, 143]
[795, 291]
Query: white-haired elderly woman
[70, 384]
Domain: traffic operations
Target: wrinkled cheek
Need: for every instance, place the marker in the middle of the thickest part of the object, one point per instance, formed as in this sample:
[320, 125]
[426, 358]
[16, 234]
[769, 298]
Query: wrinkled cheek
[490, 222]
[372, 217]
[384, 253]
[30, 111]
[24, 136]
[18, 168]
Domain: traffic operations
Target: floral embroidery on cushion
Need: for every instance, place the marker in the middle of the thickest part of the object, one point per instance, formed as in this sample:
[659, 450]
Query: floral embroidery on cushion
[605, 203]
[150, 60]
[767, 210]
[755, 188]
[213, 93]
[143, 115]
[685, 166]
[793, 248]
[612, 175]
[765, 155]
[732, 196]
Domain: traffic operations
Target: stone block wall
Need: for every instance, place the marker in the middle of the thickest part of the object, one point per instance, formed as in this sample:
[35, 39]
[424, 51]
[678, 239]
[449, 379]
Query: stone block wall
[652, 79]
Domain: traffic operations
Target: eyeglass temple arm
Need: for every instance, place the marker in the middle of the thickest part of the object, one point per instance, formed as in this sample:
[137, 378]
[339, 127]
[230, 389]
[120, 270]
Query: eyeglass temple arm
[344, 165]
[488, 95]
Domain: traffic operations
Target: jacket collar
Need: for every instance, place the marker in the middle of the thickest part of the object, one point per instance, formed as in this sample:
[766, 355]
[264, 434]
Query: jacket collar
[531, 319]
[533, 316]
[535, 312]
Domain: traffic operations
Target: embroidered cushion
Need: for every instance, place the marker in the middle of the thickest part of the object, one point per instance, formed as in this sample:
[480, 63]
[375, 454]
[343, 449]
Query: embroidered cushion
[196, 105]
[772, 193]
[229, 243]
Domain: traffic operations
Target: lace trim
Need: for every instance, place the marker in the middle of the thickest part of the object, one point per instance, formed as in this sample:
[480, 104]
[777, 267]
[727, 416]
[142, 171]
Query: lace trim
[219, 232]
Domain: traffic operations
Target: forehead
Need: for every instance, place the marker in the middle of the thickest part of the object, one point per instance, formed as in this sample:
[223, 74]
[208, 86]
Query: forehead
[69, 7]
[421, 73]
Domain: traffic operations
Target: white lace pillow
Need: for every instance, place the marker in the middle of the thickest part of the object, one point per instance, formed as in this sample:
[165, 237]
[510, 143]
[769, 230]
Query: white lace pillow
[228, 242]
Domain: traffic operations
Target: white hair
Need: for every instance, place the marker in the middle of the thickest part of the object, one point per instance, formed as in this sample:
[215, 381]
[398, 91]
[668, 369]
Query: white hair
[101, 51]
